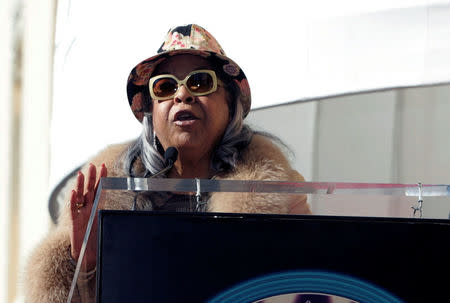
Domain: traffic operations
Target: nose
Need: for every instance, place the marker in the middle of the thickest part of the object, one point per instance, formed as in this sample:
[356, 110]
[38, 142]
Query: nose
[183, 95]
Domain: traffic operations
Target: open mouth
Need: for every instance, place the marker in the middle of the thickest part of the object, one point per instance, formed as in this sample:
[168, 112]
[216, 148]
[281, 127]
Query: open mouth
[184, 117]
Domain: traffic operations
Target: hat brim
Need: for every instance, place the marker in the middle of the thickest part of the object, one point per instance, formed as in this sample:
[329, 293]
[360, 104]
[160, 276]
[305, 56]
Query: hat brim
[137, 85]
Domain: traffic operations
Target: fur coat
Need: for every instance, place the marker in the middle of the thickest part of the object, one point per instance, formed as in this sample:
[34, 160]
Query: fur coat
[50, 269]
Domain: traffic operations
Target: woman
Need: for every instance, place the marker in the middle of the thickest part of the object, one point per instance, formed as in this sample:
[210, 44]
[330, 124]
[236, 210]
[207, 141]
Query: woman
[189, 96]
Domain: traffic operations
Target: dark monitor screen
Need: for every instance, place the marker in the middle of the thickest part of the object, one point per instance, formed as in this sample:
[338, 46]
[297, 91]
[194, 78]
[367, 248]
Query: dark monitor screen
[185, 257]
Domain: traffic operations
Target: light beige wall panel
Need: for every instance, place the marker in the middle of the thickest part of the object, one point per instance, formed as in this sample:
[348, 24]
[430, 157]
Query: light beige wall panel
[354, 138]
[424, 145]
[294, 124]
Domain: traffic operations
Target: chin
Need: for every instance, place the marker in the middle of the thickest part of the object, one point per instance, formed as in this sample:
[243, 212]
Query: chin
[187, 142]
[189, 146]
[191, 142]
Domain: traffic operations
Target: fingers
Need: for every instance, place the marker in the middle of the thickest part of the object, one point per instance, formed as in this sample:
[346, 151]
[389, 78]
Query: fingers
[92, 172]
[80, 189]
[81, 202]
[90, 186]
[81, 197]
[73, 203]
[103, 173]
[92, 182]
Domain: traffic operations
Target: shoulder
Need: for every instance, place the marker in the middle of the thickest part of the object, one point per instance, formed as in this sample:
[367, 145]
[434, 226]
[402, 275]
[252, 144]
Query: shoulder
[261, 160]
[264, 148]
[264, 159]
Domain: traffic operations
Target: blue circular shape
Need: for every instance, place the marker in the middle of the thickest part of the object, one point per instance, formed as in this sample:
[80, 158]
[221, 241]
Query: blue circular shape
[305, 282]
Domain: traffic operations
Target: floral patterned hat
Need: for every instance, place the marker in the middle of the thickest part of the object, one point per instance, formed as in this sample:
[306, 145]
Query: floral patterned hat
[186, 39]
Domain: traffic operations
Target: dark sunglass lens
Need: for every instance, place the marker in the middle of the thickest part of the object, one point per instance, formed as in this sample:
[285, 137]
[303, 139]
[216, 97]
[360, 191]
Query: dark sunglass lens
[200, 83]
[164, 87]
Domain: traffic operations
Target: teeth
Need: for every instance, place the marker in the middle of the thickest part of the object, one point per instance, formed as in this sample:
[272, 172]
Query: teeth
[185, 116]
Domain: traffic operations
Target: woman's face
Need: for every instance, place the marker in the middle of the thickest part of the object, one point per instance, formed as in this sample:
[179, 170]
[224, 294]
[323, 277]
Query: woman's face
[192, 124]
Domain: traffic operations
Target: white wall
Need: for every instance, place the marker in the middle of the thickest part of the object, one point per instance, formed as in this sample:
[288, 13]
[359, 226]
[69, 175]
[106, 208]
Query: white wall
[387, 48]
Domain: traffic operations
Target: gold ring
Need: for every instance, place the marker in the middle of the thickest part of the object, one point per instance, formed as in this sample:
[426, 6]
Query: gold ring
[79, 205]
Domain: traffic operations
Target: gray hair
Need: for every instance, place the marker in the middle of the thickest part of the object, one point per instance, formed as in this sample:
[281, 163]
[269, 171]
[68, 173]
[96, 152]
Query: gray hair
[236, 137]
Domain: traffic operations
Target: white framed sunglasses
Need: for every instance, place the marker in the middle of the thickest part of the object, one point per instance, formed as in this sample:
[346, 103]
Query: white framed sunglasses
[199, 83]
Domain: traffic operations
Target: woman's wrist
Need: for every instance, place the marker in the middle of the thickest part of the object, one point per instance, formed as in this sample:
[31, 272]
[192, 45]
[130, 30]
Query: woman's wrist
[83, 273]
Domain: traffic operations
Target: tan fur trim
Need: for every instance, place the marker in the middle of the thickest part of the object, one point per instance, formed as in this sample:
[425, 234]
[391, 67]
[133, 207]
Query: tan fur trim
[49, 271]
[264, 161]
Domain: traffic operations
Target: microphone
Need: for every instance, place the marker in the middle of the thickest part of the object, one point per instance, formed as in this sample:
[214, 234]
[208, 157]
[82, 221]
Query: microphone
[170, 156]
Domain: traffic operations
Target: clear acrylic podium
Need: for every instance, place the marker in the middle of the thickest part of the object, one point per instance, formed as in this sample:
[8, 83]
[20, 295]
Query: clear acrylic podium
[419, 211]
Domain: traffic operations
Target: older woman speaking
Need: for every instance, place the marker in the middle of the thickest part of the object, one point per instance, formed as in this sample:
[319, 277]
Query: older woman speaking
[190, 96]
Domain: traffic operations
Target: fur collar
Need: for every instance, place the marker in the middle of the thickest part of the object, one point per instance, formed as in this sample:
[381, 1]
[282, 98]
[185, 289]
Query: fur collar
[261, 160]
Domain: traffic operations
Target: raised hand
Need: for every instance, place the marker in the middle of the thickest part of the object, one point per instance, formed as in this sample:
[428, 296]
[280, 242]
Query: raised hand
[81, 202]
